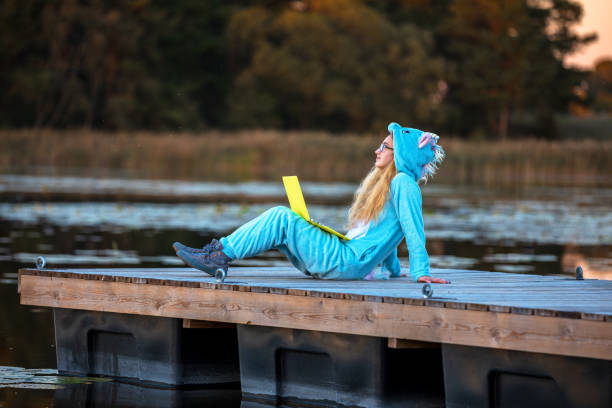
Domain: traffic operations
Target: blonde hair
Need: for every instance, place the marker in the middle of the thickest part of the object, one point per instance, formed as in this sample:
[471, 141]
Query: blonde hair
[371, 195]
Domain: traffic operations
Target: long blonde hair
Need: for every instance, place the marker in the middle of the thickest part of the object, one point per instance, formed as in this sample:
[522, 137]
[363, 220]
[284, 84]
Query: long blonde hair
[371, 195]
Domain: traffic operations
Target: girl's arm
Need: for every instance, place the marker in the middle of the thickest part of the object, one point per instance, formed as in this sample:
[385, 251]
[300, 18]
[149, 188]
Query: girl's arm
[392, 264]
[407, 201]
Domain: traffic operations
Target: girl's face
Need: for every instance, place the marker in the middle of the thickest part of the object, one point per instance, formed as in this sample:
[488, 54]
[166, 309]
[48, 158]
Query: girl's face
[384, 154]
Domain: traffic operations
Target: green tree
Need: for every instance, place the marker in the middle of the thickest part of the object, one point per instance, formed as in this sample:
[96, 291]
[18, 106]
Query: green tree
[21, 60]
[75, 68]
[506, 56]
[191, 59]
[113, 64]
[326, 64]
[458, 65]
[600, 87]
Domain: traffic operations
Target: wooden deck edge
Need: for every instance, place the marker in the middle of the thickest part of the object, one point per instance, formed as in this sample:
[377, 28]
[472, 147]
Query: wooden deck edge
[318, 294]
[531, 333]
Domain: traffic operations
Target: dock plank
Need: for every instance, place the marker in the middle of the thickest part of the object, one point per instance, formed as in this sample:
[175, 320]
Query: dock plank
[415, 319]
[472, 290]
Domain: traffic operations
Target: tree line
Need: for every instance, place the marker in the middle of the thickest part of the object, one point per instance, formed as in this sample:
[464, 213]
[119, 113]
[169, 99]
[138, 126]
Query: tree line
[491, 67]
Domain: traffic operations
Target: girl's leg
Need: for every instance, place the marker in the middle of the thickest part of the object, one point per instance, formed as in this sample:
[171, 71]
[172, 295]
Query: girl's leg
[310, 249]
[265, 232]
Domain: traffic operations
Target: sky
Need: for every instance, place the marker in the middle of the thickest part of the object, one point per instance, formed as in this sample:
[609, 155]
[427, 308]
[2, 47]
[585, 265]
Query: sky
[597, 17]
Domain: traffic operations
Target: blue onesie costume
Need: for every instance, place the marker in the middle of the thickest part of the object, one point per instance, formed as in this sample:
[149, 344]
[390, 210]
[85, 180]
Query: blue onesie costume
[325, 256]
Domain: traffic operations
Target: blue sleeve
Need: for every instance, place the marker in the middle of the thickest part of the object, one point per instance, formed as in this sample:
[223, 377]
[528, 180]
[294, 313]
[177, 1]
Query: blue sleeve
[407, 201]
[392, 264]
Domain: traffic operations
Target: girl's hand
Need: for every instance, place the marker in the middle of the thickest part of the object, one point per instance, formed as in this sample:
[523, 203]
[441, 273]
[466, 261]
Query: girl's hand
[431, 279]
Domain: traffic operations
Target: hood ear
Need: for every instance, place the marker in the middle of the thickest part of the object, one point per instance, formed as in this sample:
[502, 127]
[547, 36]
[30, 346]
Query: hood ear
[393, 126]
[430, 168]
[425, 139]
[415, 152]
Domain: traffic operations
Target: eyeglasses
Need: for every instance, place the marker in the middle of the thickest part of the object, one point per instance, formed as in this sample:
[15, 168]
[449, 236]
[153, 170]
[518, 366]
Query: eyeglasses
[383, 147]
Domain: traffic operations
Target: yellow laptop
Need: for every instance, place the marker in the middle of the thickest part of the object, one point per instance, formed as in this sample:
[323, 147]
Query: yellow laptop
[298, 205]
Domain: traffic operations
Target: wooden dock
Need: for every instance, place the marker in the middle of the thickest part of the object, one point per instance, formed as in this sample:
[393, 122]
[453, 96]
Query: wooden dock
[539, 314]
[487, 339]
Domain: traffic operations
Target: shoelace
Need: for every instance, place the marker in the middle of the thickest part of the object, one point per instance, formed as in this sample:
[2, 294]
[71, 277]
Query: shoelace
[212, 247]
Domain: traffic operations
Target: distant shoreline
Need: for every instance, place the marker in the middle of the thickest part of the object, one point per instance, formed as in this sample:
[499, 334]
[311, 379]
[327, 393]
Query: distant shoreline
[313, 156]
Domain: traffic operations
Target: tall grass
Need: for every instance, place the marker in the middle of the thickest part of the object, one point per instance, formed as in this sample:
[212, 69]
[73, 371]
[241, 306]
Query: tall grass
[593, 127]
[315, 156]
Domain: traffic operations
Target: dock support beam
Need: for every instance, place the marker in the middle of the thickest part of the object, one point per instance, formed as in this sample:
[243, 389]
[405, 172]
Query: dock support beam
[279, 365]
[479, 377]
[144, 348]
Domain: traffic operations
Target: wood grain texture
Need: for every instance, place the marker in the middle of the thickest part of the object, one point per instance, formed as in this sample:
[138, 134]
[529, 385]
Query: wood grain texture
[554, 296]
[532, 333]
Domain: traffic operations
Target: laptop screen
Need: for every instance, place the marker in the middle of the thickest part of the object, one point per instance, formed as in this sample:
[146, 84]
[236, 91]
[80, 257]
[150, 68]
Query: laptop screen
[295, 196]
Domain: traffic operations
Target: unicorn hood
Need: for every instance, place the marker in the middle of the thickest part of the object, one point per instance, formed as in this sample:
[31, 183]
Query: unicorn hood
[415, 152]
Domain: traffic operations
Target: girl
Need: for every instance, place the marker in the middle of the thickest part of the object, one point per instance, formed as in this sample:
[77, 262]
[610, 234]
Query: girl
[386, 209]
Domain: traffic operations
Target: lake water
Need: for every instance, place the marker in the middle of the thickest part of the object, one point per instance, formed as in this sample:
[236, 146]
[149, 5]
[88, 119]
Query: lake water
[536, 230]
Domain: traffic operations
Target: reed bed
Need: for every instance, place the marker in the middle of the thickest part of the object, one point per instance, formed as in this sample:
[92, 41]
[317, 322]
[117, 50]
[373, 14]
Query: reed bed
[315, 156]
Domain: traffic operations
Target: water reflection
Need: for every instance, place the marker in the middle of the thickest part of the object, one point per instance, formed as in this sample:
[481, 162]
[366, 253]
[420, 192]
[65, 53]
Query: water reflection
[116, 394]
[596, 266]
[168, 190]
[507, 222]
[41, 378]
[44, 387]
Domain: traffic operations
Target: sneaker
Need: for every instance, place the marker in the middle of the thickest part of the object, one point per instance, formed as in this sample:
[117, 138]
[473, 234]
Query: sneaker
[180, 247]
[208, 260]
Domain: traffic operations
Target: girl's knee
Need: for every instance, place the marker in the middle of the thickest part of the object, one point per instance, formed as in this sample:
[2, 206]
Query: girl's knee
[278, 215]
[280, 210]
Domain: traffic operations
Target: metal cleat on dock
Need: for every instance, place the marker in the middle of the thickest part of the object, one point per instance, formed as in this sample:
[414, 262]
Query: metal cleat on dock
[41, 262]
[579, 274]
[220, 275]
[427, 291]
